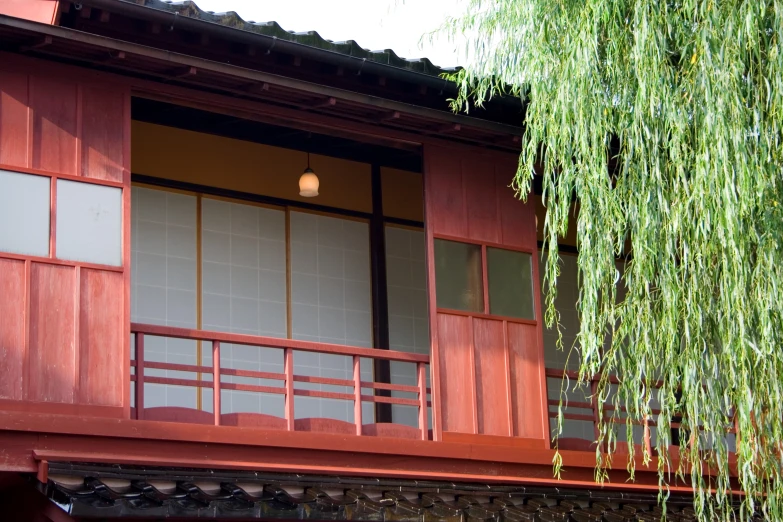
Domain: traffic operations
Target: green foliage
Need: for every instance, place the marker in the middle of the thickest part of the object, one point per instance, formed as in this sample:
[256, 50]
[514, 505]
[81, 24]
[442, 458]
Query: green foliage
[663, 120]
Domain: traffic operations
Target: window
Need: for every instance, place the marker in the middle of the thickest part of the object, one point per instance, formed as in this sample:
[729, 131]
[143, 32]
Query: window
[24, 213]
[462, 272]
[89, 223]
[458, 280]
[510, 281]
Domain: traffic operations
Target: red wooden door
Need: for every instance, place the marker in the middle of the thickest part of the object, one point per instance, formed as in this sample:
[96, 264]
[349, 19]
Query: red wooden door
[488, 369]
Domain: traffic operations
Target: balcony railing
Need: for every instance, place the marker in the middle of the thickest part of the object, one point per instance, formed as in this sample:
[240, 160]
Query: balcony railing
[593, 417]
[286, 388]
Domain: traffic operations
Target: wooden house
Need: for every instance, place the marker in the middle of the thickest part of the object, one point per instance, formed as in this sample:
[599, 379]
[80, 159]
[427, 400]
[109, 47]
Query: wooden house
[188, 331]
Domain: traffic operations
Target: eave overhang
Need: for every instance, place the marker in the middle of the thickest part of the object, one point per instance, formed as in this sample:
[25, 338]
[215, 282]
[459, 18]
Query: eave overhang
[257, 86]
[106, 492]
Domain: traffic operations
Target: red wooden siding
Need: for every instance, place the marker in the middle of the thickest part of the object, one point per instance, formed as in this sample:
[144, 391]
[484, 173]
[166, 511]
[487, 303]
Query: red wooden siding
[53, 104]
[456, 373]
[524, 360]
[43, 11]
[12, 330]
[491, 371]
[64, 325]
[102, 138]
[52, 354]
[100, 327]
[488, 372]
[14, 131]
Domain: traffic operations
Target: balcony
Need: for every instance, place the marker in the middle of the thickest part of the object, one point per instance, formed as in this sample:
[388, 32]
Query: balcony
[362, 392]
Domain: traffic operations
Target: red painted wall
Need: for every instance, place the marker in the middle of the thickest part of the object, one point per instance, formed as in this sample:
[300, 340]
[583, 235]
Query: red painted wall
[64, 325]
[490, 369]
[43, 11]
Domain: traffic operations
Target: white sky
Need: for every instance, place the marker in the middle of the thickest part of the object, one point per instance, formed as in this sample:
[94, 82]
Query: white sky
[374, 24]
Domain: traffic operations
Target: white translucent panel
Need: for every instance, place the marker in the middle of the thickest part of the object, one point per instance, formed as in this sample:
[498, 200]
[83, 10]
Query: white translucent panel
[408, 317]
[89, 222]
[331, 302]
[510, 276]
[24, 213]
[163, 285]
[244, 291]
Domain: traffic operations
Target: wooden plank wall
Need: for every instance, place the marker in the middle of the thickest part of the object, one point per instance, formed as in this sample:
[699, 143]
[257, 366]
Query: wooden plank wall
[488, 372]
[64, 326]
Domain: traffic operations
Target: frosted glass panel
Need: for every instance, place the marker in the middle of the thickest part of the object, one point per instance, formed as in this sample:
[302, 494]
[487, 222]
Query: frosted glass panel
[89, 222]
[510, 277]
[24, 213]
[408, 318]
[244, 291]
[458, 276]
[163, 285]
[330, 303]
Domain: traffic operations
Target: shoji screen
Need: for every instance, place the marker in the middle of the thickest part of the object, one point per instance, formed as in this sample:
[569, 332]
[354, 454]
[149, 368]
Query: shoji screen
[164, 285]
[330, 303]
[244, 291]
[406, 279]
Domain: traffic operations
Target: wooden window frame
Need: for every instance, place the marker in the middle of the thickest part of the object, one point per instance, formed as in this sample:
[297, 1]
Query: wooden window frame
[485, 313]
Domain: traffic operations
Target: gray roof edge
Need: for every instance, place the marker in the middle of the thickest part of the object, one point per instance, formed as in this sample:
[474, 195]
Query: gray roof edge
[308, 44]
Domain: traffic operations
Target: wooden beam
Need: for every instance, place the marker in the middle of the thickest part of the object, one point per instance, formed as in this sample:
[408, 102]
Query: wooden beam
[113, 55]
[395, 115]
[105, 16]
[85, 12]
[380, 297]
[329, 102]
[451, 127]
[42, 42]
[256, 88]
[183, 72]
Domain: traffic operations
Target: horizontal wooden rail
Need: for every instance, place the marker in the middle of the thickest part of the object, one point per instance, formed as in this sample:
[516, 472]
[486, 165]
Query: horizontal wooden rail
[274, 342]
[593, 406]
[419, 393]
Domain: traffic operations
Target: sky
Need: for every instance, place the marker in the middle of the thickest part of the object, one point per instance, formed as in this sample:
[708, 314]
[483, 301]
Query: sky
[374, 24]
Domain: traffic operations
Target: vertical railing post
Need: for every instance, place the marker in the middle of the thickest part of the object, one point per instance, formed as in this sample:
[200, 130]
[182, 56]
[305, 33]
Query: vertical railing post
[216, 381]
[357, 393]
[139, 376]
[421, 372]
[647, 435]
[289, 388]
[596, 409]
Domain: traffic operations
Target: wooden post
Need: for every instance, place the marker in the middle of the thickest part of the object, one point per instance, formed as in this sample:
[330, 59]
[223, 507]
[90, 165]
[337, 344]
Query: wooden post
[596, 409]
[357, 393]
[289, 388]
[421, 371]
[647, 435]
[380, 299]
[139, 376]
[215, 381]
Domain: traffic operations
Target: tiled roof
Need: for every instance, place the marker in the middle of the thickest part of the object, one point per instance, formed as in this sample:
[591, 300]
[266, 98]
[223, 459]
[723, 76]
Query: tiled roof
[89, 491]
[309, 38]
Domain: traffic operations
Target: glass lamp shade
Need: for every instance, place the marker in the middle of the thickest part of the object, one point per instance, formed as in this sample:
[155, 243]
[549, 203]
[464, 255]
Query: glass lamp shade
[308, 184]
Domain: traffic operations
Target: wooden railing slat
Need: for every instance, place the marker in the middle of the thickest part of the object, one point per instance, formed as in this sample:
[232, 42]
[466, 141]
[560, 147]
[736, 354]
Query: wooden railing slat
[274, 342]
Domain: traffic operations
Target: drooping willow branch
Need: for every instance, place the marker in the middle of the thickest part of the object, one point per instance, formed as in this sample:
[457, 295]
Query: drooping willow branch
[684, 99]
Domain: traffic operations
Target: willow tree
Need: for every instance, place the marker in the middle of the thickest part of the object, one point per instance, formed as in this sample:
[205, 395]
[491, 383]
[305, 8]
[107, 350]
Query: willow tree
[662, 119]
